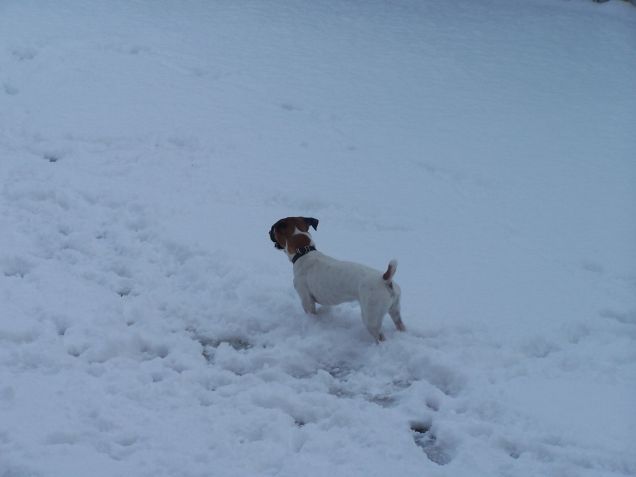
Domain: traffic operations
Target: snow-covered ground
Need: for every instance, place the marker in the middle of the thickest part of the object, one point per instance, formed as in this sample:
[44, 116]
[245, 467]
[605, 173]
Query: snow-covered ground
[148, 327]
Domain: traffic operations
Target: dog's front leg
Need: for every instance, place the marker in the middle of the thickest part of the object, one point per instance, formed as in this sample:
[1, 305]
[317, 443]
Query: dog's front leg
[309, 304]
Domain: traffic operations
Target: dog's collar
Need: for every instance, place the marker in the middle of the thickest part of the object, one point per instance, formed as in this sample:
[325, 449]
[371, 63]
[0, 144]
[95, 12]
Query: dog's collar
[302, 251]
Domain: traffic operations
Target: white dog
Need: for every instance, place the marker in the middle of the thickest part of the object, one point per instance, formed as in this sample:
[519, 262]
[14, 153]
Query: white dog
[321, 279]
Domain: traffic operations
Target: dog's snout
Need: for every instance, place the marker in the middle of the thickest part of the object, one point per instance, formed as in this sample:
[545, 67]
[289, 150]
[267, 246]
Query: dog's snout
[272, 237]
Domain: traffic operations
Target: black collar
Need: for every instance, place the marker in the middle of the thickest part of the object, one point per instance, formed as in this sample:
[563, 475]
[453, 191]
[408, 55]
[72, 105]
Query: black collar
[302, 251]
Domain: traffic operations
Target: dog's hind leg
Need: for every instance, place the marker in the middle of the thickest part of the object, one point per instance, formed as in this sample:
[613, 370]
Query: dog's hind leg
[372, 315]
[394, 311]
[374, 328]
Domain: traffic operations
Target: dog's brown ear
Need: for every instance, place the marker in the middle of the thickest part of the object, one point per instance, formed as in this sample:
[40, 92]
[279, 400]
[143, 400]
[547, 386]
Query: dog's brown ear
[311, 221]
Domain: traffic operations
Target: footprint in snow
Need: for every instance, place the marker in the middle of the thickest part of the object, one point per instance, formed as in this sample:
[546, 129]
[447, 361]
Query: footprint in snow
[210, 345]
[51, 157]
[627, 317]
[10, 89]
[24, 53]
[592, 267]
[15, 266]
[539, 347]
[427, 440]
[290, 107]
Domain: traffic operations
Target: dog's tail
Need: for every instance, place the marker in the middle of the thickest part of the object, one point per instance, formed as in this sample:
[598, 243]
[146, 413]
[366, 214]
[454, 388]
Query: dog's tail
[390, 271]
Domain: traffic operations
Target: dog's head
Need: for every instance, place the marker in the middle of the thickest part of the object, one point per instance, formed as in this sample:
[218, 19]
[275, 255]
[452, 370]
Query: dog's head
[292, 233]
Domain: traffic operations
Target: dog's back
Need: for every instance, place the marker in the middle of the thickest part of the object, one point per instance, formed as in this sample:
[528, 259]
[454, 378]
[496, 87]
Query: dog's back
[333, 281]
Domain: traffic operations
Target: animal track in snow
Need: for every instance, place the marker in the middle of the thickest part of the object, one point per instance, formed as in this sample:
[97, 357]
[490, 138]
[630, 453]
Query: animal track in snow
[51, 157]
[211, 344]
[592, 267]
[24, 53]
[290, 107]
[15, 266]
[10, 88]
[425, 438]
[539, 347]
[624, 317]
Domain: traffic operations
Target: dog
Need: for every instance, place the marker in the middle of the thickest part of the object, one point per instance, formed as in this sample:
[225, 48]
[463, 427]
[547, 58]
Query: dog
[321, 279]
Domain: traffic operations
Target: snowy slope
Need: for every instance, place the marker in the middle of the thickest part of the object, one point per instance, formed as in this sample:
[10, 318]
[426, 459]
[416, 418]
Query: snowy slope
[149, 328]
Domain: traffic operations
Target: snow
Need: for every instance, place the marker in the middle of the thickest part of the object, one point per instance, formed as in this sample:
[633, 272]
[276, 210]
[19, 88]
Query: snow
[149, 327]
